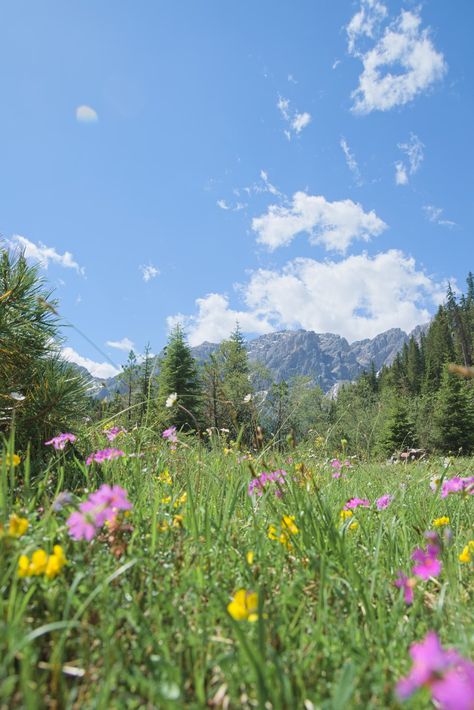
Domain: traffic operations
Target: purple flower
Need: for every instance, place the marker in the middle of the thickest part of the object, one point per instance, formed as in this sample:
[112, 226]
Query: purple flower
[81, 526]
[457, 485]
[104, 455]
[356, 502]
[170, 434]
[275, 478]
[448, 676]
[64, 498]
[428, 565]
[383, 502]
[113, 432]
[60, 441]
[407, 584]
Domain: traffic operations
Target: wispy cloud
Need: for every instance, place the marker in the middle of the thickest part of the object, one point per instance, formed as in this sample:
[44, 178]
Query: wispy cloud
[149, 272]
[333, 224]
[125, 344]
[235, 207]
[434, 214]
[413, 150]
[357, 297]
[86, 114]
[97, 369]
[401, 63]
[351, 161]
[43, 254]
[296, 121]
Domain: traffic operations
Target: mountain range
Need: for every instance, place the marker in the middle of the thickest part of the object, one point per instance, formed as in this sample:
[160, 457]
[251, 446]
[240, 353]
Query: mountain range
[327, 359]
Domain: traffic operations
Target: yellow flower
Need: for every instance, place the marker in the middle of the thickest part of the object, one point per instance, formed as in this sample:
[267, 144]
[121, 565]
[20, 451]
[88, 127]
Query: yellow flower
[23, 566]
[11, 460]
[178, 521]
[165, 477]
[354, 525]
[288, 523]
[163, 526]
[439, 522]
[345, 514]
[38, 564]
[250, 557]
[56, 562]
[181, 500]
[468, 552]
[227, 451]
[272, 532]
[17, 526]
[244, 606]
[166, 500]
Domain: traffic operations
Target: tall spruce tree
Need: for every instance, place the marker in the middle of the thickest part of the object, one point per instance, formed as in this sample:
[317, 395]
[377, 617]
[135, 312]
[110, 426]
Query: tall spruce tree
[236, 384]
[453, 418]
[179, 374]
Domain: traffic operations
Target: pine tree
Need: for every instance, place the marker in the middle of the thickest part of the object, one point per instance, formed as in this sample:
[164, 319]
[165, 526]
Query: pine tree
[130, 377]
[179, 374]
[236, 384]
[398, 430]
[453, 420]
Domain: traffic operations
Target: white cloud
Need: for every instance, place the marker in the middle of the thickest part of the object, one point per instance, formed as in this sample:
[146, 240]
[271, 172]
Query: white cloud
[43, 254]
[413, 149]
[216, 321]
[433, 214]
[333, 224]
[296, 121]
[223, 205]
[97, 369]
[336, 63]
[86, 114]
[236, 207]
[401, 64]
[149, 272]
[357, 297]
[351, 161]
[125, 344]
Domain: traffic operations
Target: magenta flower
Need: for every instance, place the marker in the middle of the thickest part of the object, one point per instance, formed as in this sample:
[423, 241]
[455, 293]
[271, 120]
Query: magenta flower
[383, 502]
[81, 526]
[101, 506]
[356, 502]
[427, 562]
[113, 432]
[60, 441]
[275, 478]
[448, 676]
[457, 485]
[407, 584]
[104, 455]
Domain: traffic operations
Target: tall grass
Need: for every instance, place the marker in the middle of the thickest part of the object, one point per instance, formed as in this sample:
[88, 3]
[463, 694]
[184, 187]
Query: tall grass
[138, 617]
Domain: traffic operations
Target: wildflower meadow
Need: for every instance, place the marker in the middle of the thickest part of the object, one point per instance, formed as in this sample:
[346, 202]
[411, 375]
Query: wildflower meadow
[176, 572]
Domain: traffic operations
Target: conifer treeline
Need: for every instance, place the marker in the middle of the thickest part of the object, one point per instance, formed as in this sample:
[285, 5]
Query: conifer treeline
[415, 402]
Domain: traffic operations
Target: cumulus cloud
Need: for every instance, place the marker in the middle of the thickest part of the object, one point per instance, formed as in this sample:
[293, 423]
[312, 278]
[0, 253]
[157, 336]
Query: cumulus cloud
[351, 161]
[97, 369]
[149, 272]
[413, 150]
[44, 255]
[333, 224]
[401, 64]
[296, 121]
[357, 297]
[215, 320]
[86, 114]
[125, 344]
[434, 214]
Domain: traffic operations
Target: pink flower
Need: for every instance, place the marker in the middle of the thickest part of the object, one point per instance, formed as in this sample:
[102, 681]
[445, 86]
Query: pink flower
[356, 502]
[448, 676]
[383, 502]
[104, 455]
[457, 485]
[407, 584]
[60, 441]
[275, 478]
[81, 526]
[113, 432]
[428, 565]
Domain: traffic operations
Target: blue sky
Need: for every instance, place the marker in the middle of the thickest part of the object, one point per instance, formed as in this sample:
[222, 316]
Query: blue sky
[287, 164]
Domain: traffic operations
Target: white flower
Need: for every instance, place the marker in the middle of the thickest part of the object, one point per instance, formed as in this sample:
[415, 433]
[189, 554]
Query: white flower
[17, 396]
[171, 400]
[247, 398]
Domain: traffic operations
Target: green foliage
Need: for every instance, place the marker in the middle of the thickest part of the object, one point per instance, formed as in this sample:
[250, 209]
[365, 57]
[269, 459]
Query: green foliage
[40, 394]
[453, 419]
[178, 374]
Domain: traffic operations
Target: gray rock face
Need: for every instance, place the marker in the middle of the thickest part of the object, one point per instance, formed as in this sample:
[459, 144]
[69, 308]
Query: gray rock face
[327, 359]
